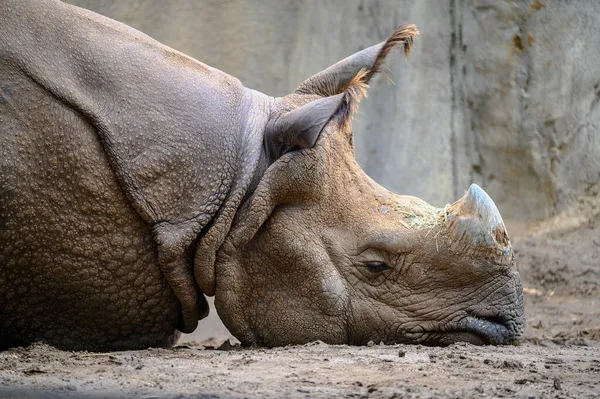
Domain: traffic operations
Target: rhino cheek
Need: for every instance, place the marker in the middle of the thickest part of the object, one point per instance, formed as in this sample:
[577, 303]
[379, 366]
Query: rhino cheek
[333, 290]
[281, 289]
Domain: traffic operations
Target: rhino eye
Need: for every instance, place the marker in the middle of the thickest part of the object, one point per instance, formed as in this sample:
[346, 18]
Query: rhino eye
[376, 267]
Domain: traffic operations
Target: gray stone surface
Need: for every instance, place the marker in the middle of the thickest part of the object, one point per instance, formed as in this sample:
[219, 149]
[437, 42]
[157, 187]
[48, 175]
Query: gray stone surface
[529, 95]
[497, 92]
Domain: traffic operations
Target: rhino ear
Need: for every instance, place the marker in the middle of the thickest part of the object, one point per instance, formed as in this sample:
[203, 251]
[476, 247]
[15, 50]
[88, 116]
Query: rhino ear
[301, 127]
[336, 78]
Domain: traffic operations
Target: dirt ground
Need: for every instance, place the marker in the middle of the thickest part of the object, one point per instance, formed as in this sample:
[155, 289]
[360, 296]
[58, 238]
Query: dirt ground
[558, 358]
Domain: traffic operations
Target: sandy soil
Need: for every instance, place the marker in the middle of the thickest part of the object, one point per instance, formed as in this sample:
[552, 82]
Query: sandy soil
[313, 370]
[559, 357]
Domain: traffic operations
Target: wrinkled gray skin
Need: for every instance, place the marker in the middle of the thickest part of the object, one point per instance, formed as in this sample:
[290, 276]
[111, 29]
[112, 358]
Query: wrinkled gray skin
[133, 179]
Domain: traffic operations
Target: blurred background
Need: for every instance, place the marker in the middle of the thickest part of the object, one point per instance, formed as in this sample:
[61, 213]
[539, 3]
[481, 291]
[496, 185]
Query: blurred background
[502, 93]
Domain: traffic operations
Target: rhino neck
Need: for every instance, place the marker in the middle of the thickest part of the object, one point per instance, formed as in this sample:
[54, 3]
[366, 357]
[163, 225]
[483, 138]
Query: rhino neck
[251, 163]
[255, 160]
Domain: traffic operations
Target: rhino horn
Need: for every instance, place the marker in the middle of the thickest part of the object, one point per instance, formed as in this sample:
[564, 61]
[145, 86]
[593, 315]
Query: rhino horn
[476, 222]
[335, 79]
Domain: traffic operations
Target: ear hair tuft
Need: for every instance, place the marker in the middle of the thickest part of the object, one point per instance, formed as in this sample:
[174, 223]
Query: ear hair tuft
[353, 93]
[333, 80]
[404, 34]
[356, 90]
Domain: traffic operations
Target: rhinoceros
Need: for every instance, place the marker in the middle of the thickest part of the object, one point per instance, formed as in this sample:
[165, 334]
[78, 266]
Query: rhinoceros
[135, 180]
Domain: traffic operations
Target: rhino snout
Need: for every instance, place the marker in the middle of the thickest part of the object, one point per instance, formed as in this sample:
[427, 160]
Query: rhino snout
[478, 234]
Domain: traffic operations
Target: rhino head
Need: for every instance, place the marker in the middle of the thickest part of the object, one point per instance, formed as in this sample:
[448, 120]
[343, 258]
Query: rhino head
[319, 251]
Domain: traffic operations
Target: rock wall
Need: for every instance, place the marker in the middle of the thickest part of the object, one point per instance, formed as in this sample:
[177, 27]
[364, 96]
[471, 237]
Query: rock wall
[502, 93]
[527, 96]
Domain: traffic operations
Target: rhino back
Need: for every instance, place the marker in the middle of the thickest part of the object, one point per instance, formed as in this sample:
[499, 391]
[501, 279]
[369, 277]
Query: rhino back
[169, 125]
[78, 267]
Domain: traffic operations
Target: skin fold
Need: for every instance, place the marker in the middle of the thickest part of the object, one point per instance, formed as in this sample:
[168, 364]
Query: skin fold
[134, 180]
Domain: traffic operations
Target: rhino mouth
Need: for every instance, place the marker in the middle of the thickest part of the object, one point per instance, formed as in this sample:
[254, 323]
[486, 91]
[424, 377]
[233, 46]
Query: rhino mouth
[494, 330]
[480, 330]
